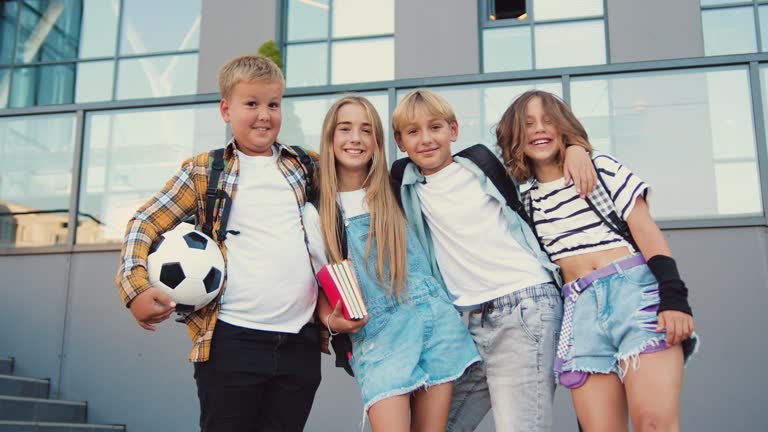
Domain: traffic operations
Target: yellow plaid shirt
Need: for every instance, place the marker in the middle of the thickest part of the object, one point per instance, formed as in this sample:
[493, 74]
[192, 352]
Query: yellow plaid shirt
[182, 198]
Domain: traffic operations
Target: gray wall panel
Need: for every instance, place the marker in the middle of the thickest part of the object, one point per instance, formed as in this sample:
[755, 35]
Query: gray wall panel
[127, 374]
[654, 29]
[436, 38]
[229, 29]
[34, 299]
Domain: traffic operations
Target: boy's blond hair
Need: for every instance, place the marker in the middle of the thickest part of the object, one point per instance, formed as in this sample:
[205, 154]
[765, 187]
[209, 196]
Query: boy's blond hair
[252, 67]
[436, 105]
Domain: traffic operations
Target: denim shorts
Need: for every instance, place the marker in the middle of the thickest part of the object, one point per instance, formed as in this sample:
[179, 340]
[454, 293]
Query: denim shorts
[418, 343]
[610, 317]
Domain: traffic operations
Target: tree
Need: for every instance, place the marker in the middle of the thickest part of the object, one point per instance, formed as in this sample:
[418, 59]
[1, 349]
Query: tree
[270, 50]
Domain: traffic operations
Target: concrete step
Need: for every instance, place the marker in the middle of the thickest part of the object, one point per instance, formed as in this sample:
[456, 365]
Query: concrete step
[42, 410]
[6, 365]
[25, 387]
[21, 426]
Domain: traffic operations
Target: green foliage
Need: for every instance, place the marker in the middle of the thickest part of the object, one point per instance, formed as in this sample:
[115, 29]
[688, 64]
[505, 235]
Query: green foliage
[270, 50]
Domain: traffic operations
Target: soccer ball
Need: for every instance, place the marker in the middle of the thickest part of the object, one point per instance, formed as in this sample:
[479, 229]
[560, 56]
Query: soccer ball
[187, 266]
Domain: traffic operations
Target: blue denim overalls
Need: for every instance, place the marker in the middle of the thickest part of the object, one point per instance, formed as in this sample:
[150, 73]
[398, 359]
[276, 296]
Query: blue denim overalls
[419, 342]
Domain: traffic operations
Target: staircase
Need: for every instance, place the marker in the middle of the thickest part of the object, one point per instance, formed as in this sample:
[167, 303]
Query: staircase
[25, 407]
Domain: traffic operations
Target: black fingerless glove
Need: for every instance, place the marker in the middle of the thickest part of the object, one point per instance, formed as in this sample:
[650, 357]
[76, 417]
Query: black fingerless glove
[673, 294]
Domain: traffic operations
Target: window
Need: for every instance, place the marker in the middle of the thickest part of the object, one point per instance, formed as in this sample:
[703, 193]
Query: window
[734, 26]
[128, 155]
[339, 41]
[689, 134]
[36, 156]
[71, 51]
[541, 34]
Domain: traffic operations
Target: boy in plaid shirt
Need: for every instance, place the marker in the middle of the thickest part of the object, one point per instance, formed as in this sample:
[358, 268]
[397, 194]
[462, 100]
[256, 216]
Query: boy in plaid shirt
[255, 348]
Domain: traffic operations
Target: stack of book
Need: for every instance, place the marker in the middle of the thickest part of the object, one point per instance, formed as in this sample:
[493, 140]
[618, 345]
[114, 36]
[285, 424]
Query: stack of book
[339, 283]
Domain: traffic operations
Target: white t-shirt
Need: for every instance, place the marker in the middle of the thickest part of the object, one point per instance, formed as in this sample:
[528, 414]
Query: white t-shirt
[270, 285]
[565, 223]
[478, 257]
[353, 203]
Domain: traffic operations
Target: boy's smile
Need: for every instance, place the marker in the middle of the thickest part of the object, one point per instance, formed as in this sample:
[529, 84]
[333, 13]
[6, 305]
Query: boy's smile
[254, 111]
[427, 140]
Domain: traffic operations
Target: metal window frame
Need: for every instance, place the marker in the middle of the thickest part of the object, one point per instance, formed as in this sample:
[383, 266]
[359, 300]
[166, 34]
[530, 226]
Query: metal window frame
[755, 63]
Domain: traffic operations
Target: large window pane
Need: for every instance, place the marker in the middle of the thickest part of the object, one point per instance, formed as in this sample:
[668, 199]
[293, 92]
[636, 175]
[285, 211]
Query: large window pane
[130, 154]
[363, 17]
[153, 77]
[729, 31]
[570, 44]
[172, 25]
[5, 83]
[566, 9]
[365, 60]
[48, 30]
[99, 33]
[307, 19]
[689, 134]
[303, 118]
[94, 81]
[36, 154]
[306, 65]
[8, 31]
[507, 49]
[479, 107]
[43, 85]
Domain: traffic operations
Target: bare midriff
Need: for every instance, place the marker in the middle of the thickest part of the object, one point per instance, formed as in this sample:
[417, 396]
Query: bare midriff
[576, 266]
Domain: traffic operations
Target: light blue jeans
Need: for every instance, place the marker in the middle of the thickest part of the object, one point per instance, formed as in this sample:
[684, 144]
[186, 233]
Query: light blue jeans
[517, 336]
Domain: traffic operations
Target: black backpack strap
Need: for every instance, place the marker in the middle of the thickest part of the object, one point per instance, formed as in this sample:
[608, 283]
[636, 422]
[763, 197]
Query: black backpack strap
[489, 164]
[308, 165]
[611, 218]
[396, 177]
[216, 164]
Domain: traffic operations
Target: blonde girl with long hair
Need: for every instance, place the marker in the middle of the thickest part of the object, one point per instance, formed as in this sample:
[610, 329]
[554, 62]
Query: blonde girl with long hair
[413, 340]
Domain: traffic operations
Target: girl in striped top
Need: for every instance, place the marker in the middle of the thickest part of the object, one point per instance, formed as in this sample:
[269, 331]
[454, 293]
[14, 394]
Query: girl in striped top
[625, 304]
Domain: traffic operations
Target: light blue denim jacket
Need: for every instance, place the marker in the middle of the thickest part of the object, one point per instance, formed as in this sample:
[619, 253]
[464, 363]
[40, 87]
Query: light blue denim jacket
[520, 230]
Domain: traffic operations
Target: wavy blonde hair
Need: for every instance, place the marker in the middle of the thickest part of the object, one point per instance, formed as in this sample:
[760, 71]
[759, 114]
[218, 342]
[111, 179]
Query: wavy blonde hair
[511, 135]
[387, 220]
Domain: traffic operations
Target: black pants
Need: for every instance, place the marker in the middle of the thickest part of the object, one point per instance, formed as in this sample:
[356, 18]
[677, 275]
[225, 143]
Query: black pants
[258, 381]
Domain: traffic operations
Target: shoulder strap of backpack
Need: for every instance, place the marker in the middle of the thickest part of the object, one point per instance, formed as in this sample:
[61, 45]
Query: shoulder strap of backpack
[216, 167]
[609, 216]
[396, 177]
[308, 165]
[482, 156]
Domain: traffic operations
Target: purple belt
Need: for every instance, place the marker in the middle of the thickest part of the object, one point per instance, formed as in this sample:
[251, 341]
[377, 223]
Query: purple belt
[585, 281]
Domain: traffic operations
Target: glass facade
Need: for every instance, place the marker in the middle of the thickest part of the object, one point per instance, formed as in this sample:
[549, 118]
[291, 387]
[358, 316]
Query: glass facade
[56, 50]
[689, 134]
[128, 155]
[545, 34]
[734, 27]
[339, 41]
[36, 156]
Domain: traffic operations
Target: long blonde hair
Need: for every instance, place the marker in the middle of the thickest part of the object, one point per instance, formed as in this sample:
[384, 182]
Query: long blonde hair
[387, 220]
[511, 134]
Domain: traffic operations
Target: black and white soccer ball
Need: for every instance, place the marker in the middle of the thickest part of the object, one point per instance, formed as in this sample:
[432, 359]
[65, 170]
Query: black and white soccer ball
[187, 266]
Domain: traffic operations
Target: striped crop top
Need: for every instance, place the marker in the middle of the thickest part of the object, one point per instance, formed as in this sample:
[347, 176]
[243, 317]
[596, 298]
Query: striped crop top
[565, 223]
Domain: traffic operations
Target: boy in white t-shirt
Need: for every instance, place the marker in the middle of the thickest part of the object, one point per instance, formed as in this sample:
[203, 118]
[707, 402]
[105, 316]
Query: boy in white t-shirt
[492, 266]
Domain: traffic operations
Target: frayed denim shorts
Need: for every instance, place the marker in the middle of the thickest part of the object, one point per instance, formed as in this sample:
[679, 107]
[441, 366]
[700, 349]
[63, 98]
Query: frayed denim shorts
[418, 343]
[610, 317]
